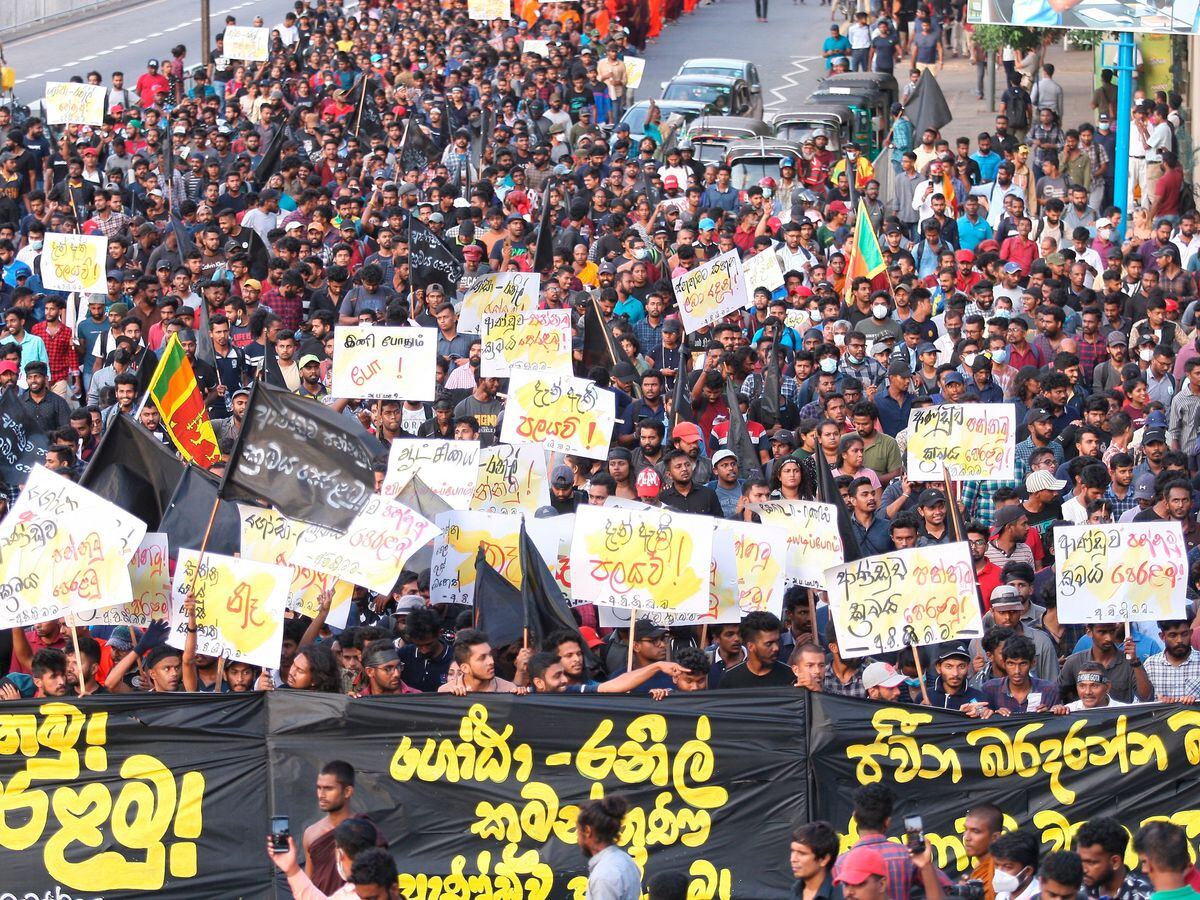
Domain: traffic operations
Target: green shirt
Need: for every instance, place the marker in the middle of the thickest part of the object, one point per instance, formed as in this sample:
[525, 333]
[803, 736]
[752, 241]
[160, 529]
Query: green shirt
[883, 456]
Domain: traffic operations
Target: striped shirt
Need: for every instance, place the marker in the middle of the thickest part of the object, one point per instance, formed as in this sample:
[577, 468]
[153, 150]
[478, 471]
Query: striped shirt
[1171, 680]
[1183, 423]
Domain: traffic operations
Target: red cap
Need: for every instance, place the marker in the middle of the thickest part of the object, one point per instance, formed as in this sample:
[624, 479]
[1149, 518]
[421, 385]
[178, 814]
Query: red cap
[648, 483]
[837, 206]
[8, 366]
[1172, 305]
[589, 635]
[688, 431]
[964, 256]
[671, 182]
[860, 864]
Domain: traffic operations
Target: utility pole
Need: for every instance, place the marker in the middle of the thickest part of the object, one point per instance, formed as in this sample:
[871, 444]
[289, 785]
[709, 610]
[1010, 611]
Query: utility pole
[1125, 70]
[205, 29]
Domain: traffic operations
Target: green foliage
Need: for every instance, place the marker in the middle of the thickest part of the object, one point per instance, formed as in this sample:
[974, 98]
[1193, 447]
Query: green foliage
[997, 37]
[1086, 38]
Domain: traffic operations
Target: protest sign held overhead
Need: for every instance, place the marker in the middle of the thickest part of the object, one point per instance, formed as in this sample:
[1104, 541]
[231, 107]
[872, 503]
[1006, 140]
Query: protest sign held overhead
[452, 576]
[448, 468]
[1136, 572]
[497, 294]
[538, 341]
[813, 542]
[150, 581]
[246, 43]
[268, 537]
[74, 103]
[763, 270]
[657, 559]
[380, 363]
[486, 10]
[970, 441]
[75, 262]
[758, 555]
[375, 547]
[923, 595]
[569, 415]
[712, 291]
[512, 479]
[239, 606]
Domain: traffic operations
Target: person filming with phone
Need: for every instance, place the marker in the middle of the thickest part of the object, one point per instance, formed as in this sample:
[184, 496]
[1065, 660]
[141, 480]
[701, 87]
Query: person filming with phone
[878, 869]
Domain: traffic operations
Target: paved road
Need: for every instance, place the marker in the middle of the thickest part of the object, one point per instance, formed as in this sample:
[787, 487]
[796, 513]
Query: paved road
[786, 49]
[123, 41]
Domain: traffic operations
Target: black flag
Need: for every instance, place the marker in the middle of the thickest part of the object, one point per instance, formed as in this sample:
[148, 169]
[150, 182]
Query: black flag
[926, 106]
[270, 159]
[133, 470]
[600, 348]
[309, 462]
[430, 260]
[22, 442]
[365, 119]
[416, 149]
[498, 605]
[546, 608]
[543, 257]
[768, 406]
[419, 497]
[681, 400]
[739, 440]
[827, 492]
[186, 517]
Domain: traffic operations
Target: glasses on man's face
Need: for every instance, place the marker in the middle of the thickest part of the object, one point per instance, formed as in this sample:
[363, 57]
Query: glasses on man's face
[977, 542]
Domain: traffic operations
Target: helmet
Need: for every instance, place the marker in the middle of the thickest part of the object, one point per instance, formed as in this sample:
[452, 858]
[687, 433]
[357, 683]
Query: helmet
[767, 182]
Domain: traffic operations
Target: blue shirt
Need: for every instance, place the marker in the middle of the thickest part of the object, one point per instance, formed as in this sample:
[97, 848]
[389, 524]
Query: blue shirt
[840, 44]
[893, 416]
[714, 198]
[988, 164]
[970, 235]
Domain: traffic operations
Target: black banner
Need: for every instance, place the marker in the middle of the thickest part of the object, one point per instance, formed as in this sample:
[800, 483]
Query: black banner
[22, 442]
[309, 462]
[429, 260]
[1045, 772]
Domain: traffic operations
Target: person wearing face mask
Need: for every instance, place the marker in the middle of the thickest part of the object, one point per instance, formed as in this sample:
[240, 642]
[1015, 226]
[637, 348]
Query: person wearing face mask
[351, 837]
[1015, 858]
[854, 162]
[881, 324]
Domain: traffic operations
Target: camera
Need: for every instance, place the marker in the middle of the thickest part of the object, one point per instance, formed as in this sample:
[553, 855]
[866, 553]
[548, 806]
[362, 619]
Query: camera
[967, 890]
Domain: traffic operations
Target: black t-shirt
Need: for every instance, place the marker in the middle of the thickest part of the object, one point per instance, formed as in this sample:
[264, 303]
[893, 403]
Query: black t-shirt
[741, 677]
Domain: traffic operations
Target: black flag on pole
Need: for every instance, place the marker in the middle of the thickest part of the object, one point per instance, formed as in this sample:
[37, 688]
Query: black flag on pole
[430, 261]
[498, 605]
[134, 471]
[543, 257]
[22, 442]
[926, 106]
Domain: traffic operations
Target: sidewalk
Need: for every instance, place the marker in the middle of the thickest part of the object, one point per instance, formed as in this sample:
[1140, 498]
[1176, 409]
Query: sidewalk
[1072, 70]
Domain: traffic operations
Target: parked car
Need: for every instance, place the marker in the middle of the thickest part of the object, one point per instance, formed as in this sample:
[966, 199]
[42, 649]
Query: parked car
[737, 68]
[731, 96]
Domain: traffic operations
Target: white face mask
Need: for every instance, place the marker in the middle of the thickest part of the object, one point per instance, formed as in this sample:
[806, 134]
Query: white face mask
[1146, 355]
[829, 365]
[969, 359]
[839, 340]
[343, 872]
[1004, 882]
[879, 310]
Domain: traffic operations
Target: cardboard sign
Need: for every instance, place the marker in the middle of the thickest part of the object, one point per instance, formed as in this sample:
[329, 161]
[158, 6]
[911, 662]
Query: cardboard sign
[75, 262]
[374, 550]
[239, 607]
[537, 341]
[923, 595]
[268, 536]
[568, 415]
[553, 538]
[376, 362]
[150, 580]
[659, 559]
[246, 43]
[814, 544]
[452, 576]
[71, 103]
[711, 292]
[498, 294]
[635, 67]
[449, 468]
[763, 270]
[541, 48]
[971, 441]
[512, 479]
[751, 560]
[485, 10]
[1120, 573]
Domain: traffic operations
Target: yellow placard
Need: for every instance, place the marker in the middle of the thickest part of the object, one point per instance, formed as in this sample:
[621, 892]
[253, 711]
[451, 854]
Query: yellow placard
[923, 595]
[74, 103]
[246, 43]
[497, 294]
[971, 441]
[239, 607]
[75, 262]
[376, 362]
[485, 10]
[813, 541]
[635, 67]
[150, 578]
[1121, 573]
[271, 537]
[568, 415]
[447, 468]
[645, 560]
[452, 576]
[750, 561]
[512, 479]
[537, 341]
[709, 293]
[374, 548]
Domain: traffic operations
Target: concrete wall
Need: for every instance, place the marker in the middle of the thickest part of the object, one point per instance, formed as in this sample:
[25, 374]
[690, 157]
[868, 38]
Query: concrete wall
[19, 17]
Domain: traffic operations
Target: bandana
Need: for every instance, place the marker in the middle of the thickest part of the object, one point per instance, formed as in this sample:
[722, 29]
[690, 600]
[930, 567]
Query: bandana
[380, 657]
[1091, 678]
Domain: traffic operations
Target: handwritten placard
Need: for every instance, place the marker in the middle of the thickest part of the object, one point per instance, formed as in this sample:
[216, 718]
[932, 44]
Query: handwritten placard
[448, 468]
[814, 544]
[246, 43]
[512, 479]
[485, 10]
[712, 291]
[553, 538]
[537, 341]
[239, 607]
[452, 576]
[763, 270]
[1121, 573]
[498, 293]
[75, 262]
[971, 441]
[268, 536]
[635, 68]
[73, 103]
[541, 48]
[569, 415]
[374, 549]
[376, 362]
[150, 580]
[750, 561]
[658, 559]
[923, 595]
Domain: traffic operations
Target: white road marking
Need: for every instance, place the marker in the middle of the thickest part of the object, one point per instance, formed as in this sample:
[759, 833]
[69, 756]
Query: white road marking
[788, 81]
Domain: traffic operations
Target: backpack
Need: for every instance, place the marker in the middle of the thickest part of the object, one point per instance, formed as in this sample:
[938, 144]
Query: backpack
[1018, 108]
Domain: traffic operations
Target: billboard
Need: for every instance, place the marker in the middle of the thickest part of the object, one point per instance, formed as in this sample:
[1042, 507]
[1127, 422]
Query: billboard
[1154, 17]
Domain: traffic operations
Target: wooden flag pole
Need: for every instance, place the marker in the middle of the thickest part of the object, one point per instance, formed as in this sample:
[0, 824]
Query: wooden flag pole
[703, 635]
[220, 675]
[920, 673]
[812, 614]
[78, 657]
[629, 652]
[212, 517]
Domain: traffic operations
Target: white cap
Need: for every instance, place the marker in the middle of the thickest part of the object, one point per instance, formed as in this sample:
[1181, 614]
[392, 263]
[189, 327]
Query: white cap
[879, 674]
[722, 455]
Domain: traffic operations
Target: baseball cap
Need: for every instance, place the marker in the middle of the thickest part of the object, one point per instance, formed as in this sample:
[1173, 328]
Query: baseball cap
[953, 650]
[784, 436]
[670, 182]
[308, 359]
[1118, 337]
[877, 674]
[590, 637]
[562, 477]
[644, 629]
[1154, 436]
[252, 283]
[151, 62]
[1143, 487]
[1005, 596]
[926, 348]
[1005, 516]
[687, 431]
[1037, 414]
[953, 378]
[930, 497]
[648, 483]
[721, 455]
[8, 365]
[862, 862]
[240, 392]
[707, 224]
[899, 367]
[1012, 268]
[1041, 480]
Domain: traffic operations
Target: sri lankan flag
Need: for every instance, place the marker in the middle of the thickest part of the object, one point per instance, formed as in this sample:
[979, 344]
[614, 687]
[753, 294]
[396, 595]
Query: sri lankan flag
[865, 258]
[185, 418]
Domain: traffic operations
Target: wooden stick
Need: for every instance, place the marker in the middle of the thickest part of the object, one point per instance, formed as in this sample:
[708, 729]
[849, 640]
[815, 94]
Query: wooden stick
[78, 657]
[812, 614]
[212, 517]
[920, 673]
[703, 635]
[524, 638]
[220, 674]
[629, 654]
